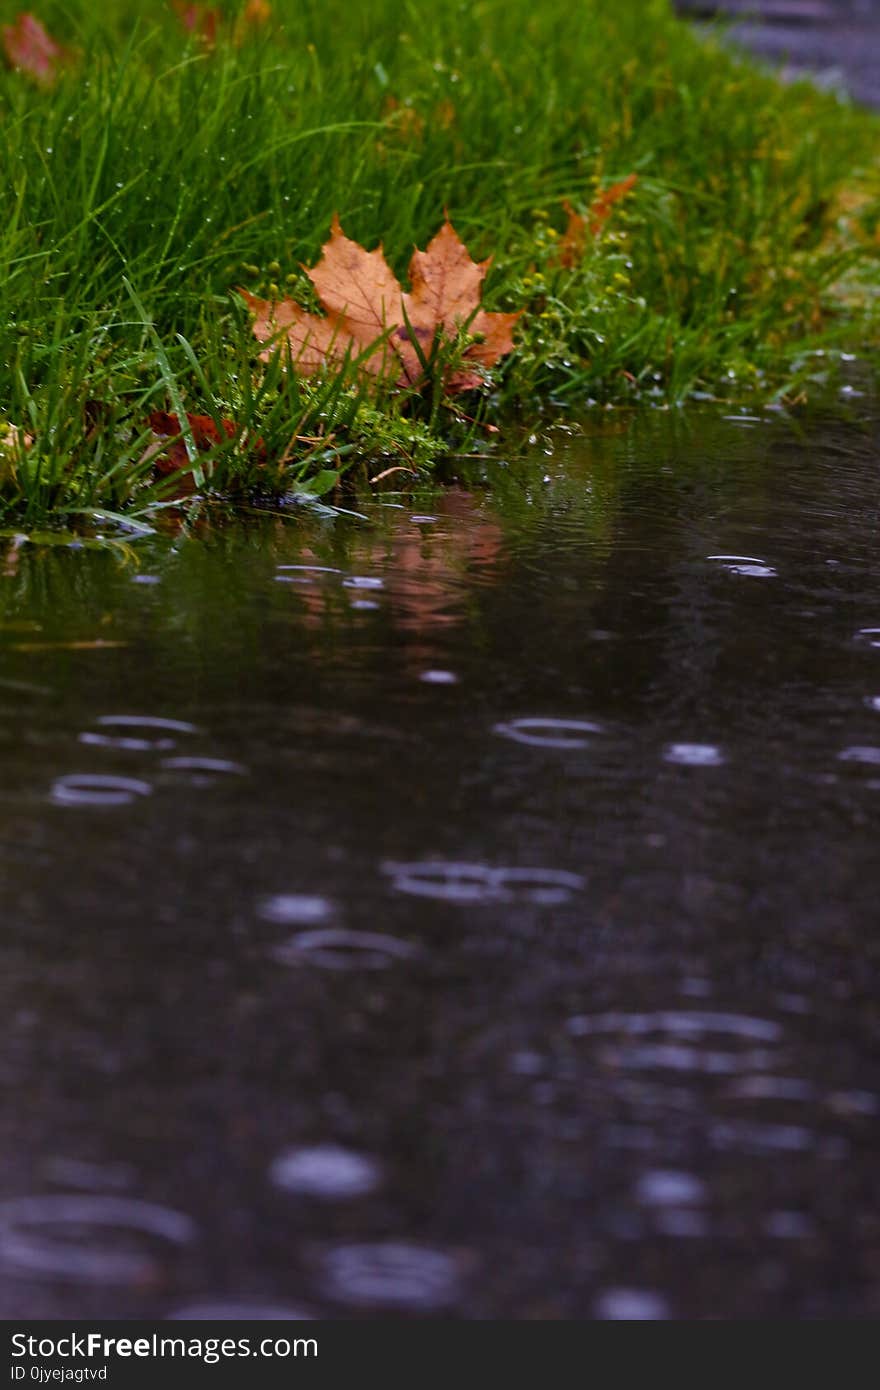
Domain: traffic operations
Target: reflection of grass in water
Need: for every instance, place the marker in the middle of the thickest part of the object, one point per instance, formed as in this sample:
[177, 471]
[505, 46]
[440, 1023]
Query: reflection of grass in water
[504, 540]
[186, 172]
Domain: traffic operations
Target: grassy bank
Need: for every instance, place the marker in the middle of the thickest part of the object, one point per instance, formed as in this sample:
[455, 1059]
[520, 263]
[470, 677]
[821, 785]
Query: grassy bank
[161, 172]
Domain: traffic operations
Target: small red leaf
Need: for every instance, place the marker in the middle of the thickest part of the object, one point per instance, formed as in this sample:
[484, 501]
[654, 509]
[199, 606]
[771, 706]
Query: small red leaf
[200, 20]
[603, 204]
[29, 48]
[171, 458]
[573, 242]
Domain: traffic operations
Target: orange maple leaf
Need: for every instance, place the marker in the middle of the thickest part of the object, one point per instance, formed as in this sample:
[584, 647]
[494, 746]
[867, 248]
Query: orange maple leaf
[27, 46]
[573, 241]
[370, 319]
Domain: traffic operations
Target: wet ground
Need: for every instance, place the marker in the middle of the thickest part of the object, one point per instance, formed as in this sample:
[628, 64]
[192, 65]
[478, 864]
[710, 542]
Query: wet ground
[469, 910]
[836, 42]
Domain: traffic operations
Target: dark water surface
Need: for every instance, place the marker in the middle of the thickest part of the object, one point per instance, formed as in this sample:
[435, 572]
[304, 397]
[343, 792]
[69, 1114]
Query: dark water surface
[467, 911]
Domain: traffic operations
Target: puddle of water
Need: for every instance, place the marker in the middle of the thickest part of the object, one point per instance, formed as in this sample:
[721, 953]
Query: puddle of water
[471, 910]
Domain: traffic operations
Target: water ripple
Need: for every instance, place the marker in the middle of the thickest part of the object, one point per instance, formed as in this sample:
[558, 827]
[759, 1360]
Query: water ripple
[478, 883]
[693, 754]
[326, 1172]
[363, 581]
[95, 789]
[338, 949]
[439, 678]
[58, 1237]
[678, 1057]
[204, 769]
[745, 564]
[767, 1138]
[549, 732]
[148, 732]
[295, 909]
[390, 1274]
[680, 1024]
[860, 753]
[309, 569]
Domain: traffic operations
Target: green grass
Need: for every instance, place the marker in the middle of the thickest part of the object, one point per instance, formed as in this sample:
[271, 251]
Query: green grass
[157, 176]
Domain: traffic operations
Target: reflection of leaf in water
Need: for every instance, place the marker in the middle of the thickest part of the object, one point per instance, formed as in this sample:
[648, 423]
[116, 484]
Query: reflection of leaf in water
[425, 569]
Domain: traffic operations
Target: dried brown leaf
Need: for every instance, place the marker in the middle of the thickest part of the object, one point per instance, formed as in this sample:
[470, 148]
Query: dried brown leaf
[573, 242]
[28, 47]
[368, 312]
